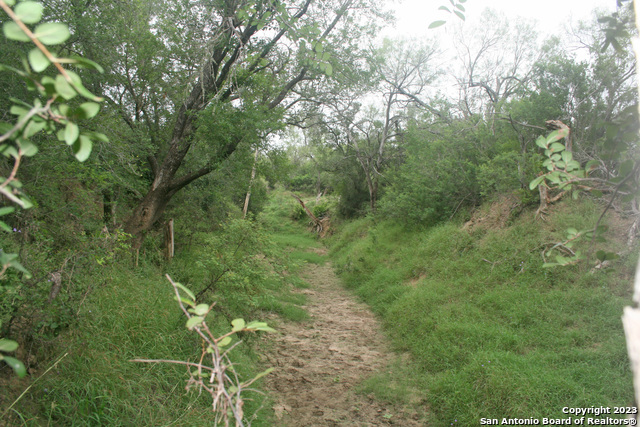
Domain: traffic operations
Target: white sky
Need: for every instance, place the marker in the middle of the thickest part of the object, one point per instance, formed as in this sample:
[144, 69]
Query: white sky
[414, 16]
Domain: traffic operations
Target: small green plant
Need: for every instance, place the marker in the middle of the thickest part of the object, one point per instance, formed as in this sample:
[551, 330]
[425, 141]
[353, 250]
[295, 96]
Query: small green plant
[321, 210]
[214, 372]
[297, 212]
[562, 170]
[566, 175]
[8, 346]
[115, 244]
[564, 252]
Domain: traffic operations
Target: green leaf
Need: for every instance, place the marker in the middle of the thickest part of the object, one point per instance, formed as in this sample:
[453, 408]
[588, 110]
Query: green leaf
[567, 156]
[16, 365]
[444, 8]
[263, 373]
[10, 2]
[8, 345]
[328, 70]
[17, 110]
[64, 88]
[33, 127]
[77, 85]
[29, 149]
[185, 301]
[572, 165]
[82, 148]
[554, 177]
[557, 135]
[259, 326]
[556, 147]
[64, 109]
[7, 210]
[13, 32]
[88, 110]
[52, 33]
[626, 167]
[194, 321]
[12, 261]
[436, 24]
[601, 255]
[592, 164]
[5, 227]
[611, 256]
[238, 325]
[97, 136]
[38, 60]
[224, 342]
[459, 14]
[533, 184]
[87, 63]
[71, 133]
[186, 290]
[201, 309]
[461, 7]
[29, 12]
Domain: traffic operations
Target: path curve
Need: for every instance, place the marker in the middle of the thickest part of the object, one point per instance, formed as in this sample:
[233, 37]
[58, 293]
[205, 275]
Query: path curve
[320, 362]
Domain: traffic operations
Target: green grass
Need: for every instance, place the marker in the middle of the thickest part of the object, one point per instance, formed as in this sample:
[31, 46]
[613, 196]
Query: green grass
[491, 333]
[134, 315]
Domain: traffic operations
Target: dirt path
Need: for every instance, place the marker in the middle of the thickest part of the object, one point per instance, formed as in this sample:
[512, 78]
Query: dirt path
[320, 362]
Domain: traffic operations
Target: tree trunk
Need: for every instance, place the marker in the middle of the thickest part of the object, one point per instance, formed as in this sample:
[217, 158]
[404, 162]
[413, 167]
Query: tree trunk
[146, 214]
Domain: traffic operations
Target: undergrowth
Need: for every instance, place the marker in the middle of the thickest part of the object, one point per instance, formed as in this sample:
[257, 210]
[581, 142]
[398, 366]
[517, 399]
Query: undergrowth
[490, 332]
[131, 314]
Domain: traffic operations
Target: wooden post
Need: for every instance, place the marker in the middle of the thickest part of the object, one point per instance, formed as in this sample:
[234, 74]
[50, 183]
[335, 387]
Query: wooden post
[169, 240]
[253, 176]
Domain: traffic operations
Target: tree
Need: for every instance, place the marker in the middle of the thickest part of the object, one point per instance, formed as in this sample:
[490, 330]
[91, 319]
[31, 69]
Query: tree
[396, 76]
[250, 42]
[497, 62]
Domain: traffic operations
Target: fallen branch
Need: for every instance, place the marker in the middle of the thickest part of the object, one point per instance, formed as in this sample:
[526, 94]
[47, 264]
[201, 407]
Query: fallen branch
[317, 224]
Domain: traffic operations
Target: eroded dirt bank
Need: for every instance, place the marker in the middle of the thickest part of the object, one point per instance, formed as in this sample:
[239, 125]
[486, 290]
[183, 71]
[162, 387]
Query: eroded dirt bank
[320, 362]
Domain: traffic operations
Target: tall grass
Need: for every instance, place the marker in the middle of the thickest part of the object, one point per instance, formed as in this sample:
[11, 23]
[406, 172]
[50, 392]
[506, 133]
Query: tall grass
[490, 332]
[133, 315]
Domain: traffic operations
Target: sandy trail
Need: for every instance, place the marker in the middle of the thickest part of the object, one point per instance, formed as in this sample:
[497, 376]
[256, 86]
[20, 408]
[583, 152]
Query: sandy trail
[320, 362]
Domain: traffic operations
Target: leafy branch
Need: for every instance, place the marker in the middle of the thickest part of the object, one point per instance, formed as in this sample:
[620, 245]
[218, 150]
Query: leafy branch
[214, 372]
[456, 8]
[46, 113]
[566, 174]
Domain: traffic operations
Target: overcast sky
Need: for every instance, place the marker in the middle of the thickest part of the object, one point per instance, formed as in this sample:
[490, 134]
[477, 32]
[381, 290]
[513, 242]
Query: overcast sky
[414, 16]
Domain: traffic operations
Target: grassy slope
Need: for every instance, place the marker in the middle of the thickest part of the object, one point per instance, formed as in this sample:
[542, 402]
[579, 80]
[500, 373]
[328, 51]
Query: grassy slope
[135, 316]
[491, 333]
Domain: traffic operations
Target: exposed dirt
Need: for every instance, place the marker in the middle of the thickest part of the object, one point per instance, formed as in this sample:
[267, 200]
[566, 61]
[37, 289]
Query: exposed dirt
[497, 216]
[319, 363]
